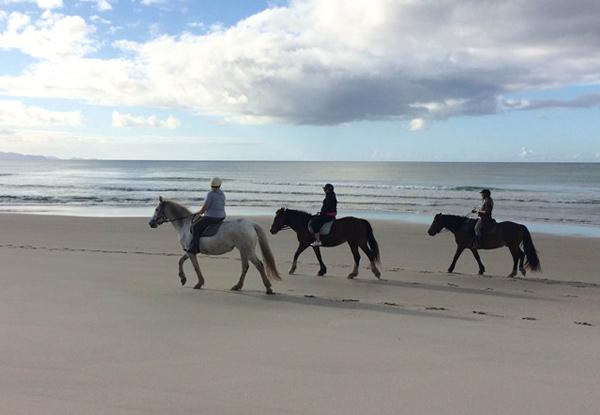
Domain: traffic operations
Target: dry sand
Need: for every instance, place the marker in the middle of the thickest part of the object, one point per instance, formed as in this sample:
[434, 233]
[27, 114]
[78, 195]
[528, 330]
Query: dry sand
[94, 320]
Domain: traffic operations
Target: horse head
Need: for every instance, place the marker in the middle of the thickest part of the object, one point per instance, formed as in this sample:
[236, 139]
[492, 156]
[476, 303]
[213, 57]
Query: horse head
[437, 225]
[159, 216]
[279, 221]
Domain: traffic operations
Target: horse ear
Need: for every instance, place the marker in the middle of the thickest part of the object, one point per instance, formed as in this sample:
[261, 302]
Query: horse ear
[160, 199]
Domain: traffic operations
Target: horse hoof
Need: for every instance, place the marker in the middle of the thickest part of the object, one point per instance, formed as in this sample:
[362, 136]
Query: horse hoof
[183, 281]
[320, 274]
[270, 291]
[481, 272]
[523, 271]
[450, 270]
[197, 286]
[235, 288]
[291, 271]
[377, 275]
[351, 276]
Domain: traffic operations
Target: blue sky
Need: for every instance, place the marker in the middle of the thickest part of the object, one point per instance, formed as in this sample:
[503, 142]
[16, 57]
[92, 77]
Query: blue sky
[405, 80]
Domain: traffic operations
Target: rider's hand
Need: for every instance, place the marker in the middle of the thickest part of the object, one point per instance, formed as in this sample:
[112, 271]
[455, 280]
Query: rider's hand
[474, 211]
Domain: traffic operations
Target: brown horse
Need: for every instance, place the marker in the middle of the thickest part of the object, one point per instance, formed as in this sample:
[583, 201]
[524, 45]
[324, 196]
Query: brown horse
[357, 232]
[508, 234]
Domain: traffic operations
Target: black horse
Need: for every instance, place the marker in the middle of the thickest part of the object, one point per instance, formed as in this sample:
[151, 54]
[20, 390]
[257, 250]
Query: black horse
[508, 234]
[357, 232]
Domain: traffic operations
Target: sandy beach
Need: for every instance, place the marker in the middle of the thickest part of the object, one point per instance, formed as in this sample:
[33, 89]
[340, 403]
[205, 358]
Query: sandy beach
[94, 320]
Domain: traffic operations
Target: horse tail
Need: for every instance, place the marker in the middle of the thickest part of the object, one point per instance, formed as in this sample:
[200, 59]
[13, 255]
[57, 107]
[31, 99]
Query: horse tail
[265, 249]
[372, 243]
[533, 261]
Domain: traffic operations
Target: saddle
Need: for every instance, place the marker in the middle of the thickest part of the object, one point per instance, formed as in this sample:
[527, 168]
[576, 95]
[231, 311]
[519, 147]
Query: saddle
[488, 228]
[325, 229]
[211, 230]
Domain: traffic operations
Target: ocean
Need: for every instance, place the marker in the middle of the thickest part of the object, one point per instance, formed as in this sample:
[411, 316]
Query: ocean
[562, 198]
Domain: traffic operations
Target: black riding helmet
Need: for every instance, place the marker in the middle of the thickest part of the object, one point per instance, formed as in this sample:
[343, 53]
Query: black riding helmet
[329, 187]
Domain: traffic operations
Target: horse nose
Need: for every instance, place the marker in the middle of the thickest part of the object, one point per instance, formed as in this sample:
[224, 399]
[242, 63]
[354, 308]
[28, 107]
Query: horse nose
[273, 230]
[153, 224]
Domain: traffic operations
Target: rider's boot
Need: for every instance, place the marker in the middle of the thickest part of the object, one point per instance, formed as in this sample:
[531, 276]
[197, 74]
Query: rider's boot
[193, 248]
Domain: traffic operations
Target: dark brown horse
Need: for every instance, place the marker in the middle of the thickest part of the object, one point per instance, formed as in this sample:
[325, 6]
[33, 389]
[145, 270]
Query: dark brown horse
[357, 232]
[508, 234]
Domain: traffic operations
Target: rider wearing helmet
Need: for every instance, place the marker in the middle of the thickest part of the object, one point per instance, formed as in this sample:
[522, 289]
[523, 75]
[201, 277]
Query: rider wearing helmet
[327, 213]
[213, 211]
[485, 215]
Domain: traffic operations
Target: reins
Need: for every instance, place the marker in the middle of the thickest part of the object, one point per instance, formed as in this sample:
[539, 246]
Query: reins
[176, 219]
[446, 229]
[295, 215]
[162, 215]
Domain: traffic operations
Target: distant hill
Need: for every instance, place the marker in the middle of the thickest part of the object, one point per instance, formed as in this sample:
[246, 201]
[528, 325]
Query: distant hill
[17, 156]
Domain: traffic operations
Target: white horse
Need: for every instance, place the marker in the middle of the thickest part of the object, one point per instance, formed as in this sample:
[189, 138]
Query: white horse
[242, 234]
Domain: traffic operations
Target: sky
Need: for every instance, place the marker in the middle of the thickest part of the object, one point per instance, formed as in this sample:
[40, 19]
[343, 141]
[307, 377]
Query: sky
[353, 80]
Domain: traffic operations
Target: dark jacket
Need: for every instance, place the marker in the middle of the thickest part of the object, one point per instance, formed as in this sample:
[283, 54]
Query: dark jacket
[488, 206]
[329, 207]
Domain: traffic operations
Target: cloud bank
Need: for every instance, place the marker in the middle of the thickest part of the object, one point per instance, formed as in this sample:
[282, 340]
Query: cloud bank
[128, 121]
[327, 62]
[15, 114]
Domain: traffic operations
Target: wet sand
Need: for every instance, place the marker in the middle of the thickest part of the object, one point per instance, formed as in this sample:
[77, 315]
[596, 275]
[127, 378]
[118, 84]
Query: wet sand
[95, 321]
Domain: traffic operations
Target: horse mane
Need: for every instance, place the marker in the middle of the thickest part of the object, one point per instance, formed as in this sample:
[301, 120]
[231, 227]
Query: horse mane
[297, 211]
[179, 209]
[455, 217]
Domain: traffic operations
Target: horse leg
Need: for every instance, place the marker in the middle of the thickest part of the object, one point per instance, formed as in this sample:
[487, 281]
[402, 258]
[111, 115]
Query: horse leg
[459, 250]
[196, 265]
[515, 255]
[356, 255]
[245, 267]
[300, 249]
[181, 273]
[261, 269]
[478, 259]
[371, 257]
[521, 260]
[323, 268]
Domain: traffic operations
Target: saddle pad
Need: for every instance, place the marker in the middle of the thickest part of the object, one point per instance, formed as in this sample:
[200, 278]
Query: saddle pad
[325, 229]
[489, 227]
[211, 230]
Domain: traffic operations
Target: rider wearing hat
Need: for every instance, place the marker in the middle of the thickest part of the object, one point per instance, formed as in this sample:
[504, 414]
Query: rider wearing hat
[327, 213]
[485, 215]
[213, 211]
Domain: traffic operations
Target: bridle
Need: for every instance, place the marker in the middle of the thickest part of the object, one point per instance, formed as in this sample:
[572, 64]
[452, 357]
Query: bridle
[162, 217]
[284, 227]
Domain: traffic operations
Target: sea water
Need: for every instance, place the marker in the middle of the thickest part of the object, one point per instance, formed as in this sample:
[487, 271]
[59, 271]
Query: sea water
[550, 197]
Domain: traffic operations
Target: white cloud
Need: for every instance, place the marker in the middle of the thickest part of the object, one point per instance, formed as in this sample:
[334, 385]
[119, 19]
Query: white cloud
[417, 124]
[101, 5]
[42, 4]
[51, 37]
[96, 18]
[525, 153]
[325, 62]
[15, 114]
[128, 121]
[17, 21]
